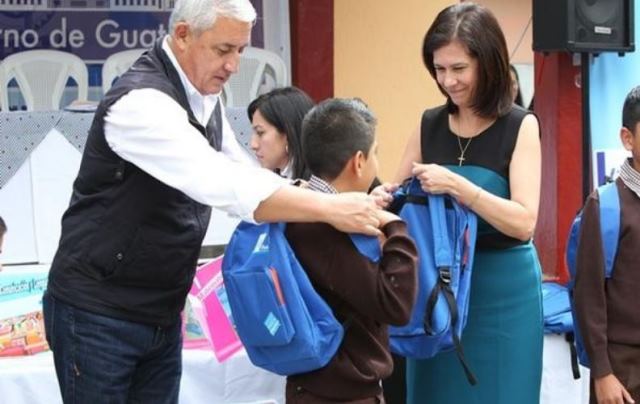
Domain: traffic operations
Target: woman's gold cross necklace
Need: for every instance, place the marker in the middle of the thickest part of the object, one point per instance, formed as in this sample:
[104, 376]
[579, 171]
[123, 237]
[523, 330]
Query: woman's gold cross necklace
[463, 150]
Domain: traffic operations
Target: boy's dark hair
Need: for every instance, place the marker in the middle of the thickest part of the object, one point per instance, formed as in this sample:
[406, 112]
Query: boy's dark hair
[284, 108]
[631, 110]
[3, 226]
[477, 29]
[333, 131]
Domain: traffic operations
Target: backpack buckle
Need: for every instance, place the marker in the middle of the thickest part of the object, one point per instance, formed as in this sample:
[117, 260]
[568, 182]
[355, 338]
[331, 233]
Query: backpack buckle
[445, 275]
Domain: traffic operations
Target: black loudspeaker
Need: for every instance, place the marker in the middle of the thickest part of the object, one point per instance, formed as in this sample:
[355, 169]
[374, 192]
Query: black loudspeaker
[591, 26]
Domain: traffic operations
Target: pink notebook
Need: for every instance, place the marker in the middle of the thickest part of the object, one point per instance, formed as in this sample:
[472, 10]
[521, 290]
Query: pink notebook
[209, 303]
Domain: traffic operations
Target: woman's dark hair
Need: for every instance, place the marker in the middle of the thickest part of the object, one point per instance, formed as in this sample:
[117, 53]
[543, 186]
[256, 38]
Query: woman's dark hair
[518, 100]
[3, 226]
[478, 30]
[284, 108]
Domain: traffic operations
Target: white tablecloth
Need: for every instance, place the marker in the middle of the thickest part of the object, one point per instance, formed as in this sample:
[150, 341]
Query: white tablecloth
[558, 385]
[32, 380]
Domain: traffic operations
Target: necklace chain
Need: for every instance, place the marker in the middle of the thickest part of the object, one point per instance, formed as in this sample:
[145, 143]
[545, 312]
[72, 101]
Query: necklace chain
[463, 150]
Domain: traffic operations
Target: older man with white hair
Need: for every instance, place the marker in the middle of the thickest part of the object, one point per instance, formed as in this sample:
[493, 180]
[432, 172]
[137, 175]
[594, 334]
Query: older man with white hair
[159, 154]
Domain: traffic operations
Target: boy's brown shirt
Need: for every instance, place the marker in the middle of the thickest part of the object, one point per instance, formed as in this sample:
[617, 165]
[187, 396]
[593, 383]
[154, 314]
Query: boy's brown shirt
[609, 310]
[366, 295]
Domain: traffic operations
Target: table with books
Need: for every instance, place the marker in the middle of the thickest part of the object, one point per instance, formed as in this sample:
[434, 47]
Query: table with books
[222, 374]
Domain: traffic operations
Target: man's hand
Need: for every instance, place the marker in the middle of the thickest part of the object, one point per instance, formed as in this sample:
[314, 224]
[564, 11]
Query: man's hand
[609, 390]
[384, 193]
[385, 217]
[354, 212]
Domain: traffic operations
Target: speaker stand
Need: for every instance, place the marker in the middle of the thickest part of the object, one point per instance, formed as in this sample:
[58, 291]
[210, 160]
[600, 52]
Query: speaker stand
[586, 125]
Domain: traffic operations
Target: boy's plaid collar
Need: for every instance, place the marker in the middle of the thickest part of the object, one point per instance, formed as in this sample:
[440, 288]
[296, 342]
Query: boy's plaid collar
[630, 177]
[320, 185]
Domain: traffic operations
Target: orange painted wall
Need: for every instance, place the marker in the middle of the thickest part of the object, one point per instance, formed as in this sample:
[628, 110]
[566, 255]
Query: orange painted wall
[514, 16]
[378, 57]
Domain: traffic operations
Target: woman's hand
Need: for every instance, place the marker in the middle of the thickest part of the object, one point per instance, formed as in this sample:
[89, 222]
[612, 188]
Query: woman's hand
[435, 179]
[383, 193]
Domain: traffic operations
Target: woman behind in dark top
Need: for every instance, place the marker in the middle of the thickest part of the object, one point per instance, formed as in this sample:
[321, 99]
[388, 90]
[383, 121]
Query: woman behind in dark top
[516, 93]
[276, 118]
[485, 151]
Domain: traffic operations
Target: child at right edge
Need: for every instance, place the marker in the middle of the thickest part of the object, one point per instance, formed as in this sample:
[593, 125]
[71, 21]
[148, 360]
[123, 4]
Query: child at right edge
[608, 310]
[338, 142]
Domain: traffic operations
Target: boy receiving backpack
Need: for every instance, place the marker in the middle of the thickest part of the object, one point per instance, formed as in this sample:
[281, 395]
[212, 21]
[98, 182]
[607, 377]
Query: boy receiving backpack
[608, 310]
[338, 139]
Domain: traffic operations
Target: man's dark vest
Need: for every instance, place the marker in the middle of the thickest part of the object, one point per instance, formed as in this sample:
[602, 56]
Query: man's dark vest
[129, 243]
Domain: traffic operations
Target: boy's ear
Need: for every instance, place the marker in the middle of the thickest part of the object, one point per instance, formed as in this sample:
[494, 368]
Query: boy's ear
[627, 138]
[359, 162]
[355, 165]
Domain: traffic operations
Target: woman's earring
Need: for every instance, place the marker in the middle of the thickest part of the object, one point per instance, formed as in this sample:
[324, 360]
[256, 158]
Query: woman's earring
[286, 148]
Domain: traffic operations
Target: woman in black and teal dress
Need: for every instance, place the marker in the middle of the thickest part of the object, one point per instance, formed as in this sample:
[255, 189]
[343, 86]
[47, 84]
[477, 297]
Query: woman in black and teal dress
[485, 152]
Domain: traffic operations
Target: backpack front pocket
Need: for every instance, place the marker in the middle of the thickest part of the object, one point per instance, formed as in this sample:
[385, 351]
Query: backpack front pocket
[262, 319]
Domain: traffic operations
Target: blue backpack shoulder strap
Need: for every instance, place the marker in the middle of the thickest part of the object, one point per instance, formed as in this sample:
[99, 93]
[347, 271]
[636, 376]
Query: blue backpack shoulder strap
[444, 260]
[412, 192]
[609, 223]
[442, 248]
[609, 210]
[369, 246]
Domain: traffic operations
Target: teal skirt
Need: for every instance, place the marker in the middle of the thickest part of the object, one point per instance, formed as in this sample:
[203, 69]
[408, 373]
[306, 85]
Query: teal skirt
[502, 340]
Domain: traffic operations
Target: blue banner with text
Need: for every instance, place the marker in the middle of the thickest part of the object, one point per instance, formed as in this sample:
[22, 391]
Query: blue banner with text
[92, 35]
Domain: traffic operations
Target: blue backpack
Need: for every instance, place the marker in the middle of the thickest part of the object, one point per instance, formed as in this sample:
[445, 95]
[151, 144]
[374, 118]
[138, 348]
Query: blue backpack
[609, 233]
[444, 232]
[284, 325]
[556, 308]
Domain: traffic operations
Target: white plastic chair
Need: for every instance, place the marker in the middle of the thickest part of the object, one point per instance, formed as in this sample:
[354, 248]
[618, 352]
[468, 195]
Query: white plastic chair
[260, 70]
[42, 77]
[116, 64]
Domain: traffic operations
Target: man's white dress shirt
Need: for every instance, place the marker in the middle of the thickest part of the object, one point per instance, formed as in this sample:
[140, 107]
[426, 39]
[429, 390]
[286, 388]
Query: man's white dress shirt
[151, 130]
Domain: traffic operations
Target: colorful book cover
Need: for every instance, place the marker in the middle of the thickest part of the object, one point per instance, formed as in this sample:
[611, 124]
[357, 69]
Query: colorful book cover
[193, 332]
[209, 302]
[21, 321]
[22, 335]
